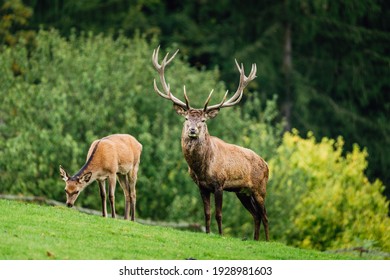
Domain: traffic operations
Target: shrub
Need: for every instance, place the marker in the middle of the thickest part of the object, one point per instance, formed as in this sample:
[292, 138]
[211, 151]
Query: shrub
[321, 198]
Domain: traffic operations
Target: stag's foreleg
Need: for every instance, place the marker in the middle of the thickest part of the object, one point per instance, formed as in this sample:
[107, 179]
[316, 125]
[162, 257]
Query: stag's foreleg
[218, 196]
[102, 191]
[205, 194]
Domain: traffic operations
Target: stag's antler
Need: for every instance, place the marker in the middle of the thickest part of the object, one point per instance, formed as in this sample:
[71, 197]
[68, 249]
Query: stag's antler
[160, 69]
[244, 81]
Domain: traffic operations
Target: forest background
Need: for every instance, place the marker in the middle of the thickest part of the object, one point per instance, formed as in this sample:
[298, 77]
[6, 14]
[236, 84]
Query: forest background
[73, 71]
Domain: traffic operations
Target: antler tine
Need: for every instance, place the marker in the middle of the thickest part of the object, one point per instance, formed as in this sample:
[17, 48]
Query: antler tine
[252, 74]
[172, 57]
[155, 58]
[176, 100]
[244, 81]
[217, 106]
[158, 91]
[208, 100]
[238, 66]
[186, 97]
[160, 69]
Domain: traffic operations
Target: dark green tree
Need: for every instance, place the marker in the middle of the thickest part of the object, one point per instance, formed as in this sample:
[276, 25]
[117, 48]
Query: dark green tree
[328, 61]
[14, 23]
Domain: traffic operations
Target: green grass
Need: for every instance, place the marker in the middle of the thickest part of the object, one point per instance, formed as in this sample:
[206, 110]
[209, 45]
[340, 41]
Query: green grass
[30, 231]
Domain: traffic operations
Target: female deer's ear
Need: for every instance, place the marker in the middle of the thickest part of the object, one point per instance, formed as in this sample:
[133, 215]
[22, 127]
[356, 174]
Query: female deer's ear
[210, 114]
[85, 178]
[65, 176]
[180, 110]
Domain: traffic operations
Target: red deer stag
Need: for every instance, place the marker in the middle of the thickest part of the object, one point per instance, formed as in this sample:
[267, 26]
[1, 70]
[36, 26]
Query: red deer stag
[114, 155]
[215, 165]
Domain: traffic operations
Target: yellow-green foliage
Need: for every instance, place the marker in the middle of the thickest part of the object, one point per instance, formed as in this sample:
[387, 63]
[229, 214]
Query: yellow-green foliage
[321, 198]
[14, 17]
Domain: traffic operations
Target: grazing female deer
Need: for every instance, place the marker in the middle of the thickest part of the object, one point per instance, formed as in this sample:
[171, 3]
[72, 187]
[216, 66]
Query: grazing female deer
[214, 165]
[114, 155]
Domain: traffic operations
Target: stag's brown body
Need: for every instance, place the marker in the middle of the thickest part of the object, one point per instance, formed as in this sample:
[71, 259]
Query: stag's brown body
[217, 166]
[117, 155]
[214, 165]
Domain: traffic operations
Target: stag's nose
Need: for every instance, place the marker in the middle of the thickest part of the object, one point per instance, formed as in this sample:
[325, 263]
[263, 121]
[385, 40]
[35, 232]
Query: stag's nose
[70, 205]
[192, 132]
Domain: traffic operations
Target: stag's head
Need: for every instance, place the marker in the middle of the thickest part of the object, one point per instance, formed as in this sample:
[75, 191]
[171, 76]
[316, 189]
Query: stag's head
[195, 121]
[195, 125]
[74, 185]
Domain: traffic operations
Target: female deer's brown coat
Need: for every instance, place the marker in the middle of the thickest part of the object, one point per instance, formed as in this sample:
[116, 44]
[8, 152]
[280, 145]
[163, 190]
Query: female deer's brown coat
[112, 156]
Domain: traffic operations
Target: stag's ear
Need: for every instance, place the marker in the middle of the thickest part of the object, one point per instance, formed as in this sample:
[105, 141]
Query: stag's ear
[210, 114]
[180, 110]
[86, 177]
[65, 176]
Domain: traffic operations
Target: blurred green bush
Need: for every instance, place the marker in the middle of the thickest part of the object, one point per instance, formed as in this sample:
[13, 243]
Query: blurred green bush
[320, 197]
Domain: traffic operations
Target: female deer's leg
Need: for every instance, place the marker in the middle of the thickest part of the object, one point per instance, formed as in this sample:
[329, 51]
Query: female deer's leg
[132, 197]
[132, 178]
[102, 191]
[111, 193]
[123, 182]
[205, 194]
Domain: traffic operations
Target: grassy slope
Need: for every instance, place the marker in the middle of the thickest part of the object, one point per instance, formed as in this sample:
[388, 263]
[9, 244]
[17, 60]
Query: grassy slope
[29, 231]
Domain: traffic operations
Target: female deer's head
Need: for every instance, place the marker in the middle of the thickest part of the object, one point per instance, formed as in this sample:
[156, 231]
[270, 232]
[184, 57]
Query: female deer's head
[74, 185]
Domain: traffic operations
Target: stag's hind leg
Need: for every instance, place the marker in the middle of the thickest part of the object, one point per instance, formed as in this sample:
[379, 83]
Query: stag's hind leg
[264, 218]
[249, 204]
[262, 212]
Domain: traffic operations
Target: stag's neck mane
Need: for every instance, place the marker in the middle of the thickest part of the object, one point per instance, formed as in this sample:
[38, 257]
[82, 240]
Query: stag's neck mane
[198, 152]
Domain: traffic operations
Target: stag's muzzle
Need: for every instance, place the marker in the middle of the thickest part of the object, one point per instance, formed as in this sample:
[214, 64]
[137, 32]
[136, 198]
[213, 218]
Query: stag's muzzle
[193, 133]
